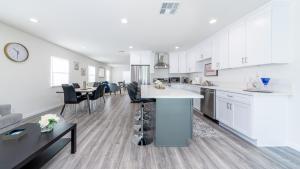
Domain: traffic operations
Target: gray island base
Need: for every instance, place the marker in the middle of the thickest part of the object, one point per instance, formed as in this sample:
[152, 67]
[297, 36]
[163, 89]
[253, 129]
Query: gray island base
[173, 122]
[173, 116]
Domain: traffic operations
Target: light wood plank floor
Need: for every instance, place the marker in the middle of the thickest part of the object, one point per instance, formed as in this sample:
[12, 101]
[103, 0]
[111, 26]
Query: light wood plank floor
[104, 142]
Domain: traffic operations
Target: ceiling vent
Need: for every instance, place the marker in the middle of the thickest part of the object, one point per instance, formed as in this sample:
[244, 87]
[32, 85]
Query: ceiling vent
[169, 8]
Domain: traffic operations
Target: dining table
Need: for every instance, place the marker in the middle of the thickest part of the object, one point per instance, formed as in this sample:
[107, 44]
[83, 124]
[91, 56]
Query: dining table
[84, 91]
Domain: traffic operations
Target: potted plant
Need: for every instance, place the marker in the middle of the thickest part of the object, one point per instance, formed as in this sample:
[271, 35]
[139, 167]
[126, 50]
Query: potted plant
[48, 122]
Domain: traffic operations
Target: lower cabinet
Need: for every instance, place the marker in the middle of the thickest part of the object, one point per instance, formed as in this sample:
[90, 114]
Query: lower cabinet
[257, 118]
[234, 113]
[224, 112]
[243, 119]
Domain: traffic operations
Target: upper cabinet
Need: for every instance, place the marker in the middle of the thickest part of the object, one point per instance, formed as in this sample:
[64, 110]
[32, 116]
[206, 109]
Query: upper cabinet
[182, 62]
[220, 50]
[261, 37]
[142, 58]
[174, 62]
[237, 44]
[177, 62]
[258, 37]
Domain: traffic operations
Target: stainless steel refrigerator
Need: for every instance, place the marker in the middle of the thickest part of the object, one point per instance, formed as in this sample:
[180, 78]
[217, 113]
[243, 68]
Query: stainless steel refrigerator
[140, 74]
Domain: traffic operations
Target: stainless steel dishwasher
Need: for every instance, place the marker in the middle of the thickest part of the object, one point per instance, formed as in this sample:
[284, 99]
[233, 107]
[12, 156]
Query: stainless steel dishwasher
[208, 103]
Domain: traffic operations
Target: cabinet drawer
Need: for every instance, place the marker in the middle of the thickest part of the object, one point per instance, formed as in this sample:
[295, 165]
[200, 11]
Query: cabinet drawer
[235, 97]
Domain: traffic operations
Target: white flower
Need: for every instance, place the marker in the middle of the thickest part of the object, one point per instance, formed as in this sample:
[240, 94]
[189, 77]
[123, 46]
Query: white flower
[44, 122]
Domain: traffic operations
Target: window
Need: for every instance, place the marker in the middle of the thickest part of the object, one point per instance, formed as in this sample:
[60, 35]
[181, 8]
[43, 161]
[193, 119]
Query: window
[107, 74]
[92, 74]
[59, 71]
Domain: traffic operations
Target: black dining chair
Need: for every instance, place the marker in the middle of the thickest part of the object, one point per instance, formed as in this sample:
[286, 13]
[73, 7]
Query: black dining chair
[102, 92]
[114, 88]
[97, 93]
[70, 97]
[76, 85]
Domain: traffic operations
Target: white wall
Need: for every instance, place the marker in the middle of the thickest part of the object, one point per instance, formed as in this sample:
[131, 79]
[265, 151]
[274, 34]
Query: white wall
[117, 73]
[294, 113]
[27, 85]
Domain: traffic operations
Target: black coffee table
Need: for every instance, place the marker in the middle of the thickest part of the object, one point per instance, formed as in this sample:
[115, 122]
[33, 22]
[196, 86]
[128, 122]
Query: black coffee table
[34, 149]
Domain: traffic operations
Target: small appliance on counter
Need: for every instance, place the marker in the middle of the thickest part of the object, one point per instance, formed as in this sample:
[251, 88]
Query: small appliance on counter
[255, 87]
[163, 80]
[174, 79]
[185, 80]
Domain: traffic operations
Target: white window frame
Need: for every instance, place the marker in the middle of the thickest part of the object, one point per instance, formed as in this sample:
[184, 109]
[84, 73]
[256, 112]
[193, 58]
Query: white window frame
[107, 75]
[53, 73]
[91, 74]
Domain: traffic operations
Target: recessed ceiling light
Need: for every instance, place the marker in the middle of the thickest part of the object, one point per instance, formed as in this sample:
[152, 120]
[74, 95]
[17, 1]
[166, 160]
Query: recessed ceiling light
[177, 47]
[212, 21]
[34, 20]
[124, 21]
[130, 47]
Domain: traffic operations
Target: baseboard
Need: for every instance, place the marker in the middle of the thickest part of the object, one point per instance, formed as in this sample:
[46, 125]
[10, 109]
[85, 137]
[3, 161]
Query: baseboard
[41, 111]
[294, 146]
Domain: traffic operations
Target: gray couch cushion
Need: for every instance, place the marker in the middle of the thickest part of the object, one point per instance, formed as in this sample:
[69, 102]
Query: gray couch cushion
[5, 109]
[10, 119]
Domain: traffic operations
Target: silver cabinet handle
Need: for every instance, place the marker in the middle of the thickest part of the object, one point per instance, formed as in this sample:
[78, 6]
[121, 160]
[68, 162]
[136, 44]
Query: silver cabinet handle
[242, 60]
[246, 59]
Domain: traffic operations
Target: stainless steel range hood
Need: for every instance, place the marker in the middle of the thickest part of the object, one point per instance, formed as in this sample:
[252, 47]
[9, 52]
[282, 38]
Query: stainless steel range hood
[161, 61]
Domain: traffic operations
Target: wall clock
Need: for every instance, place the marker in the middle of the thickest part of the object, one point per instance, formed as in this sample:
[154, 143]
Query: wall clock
[16, 52]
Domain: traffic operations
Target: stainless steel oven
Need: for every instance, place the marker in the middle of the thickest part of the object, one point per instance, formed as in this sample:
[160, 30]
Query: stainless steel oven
[208, 103]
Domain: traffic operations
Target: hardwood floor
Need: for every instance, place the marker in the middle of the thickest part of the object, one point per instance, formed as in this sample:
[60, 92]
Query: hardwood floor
[104, 141]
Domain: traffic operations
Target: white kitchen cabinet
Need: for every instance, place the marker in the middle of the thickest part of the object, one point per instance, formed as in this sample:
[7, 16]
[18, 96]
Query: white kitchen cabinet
[174, 62]
[243, 118]
[224, 111]
[182, 62]
[142, 58]
[237, 44]
[220, 51]
[258, 37]
[254, 117]
[206, 49]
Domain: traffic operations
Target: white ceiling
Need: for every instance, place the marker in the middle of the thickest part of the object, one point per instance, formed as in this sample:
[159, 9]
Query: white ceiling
[93, 27]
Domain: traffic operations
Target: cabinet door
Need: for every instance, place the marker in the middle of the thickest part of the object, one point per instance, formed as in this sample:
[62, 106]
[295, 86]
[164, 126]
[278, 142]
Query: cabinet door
[237, 44]
[173, 63]
[135, 58]
[258, 28]
[243, 119]
[182, 62]
[191, 62]
[224, 112]
[220, 50]
[207, 49]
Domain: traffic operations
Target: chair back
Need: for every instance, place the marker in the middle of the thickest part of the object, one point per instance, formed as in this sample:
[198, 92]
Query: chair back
[121, 84]
[101, 90]
[97, 93]
[69, 94]
[132, 92]
[76, 85]
[106, 86]
[113, 87]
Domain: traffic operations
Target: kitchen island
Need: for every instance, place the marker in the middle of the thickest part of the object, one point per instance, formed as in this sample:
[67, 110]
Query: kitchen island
[173, 116]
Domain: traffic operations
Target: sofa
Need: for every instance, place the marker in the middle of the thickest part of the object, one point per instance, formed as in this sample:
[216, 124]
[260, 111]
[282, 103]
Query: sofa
[7, 118]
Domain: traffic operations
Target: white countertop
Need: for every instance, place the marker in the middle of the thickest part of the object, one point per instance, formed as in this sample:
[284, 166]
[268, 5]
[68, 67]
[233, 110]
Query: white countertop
[149, 91]
[240, 91]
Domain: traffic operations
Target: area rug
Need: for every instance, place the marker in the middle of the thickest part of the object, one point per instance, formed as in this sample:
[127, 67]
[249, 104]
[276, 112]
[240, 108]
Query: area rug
[203, 130]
